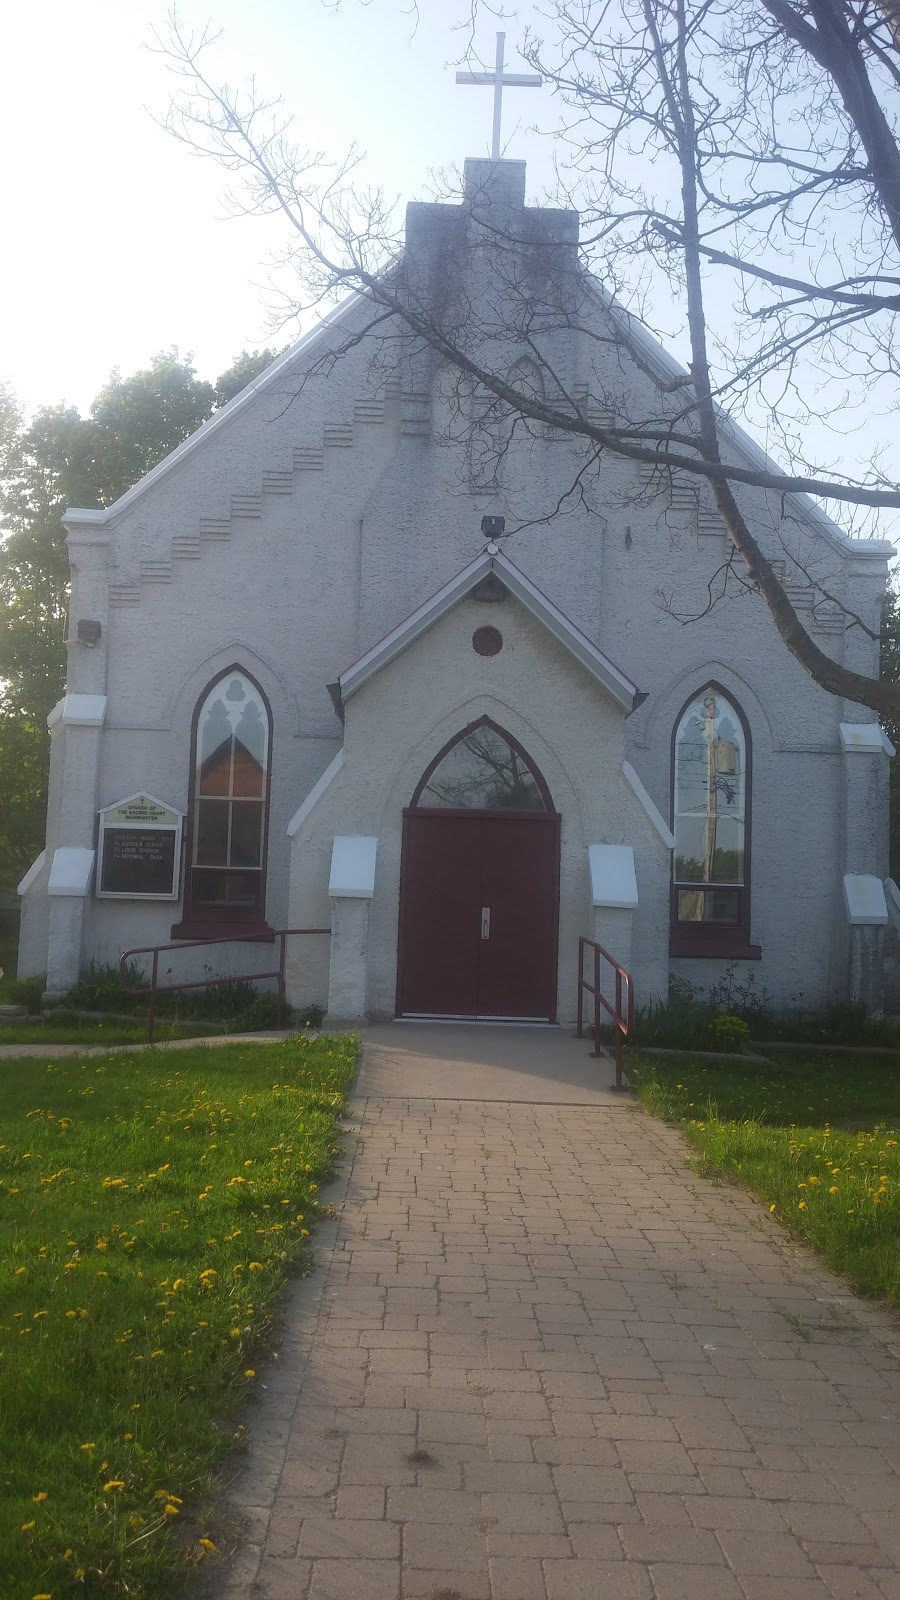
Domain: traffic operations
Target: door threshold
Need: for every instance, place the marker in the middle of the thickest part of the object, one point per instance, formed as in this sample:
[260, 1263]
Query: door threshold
[481, 1022]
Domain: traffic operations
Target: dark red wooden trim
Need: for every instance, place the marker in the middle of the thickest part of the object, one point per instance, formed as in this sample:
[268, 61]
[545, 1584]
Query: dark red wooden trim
[203, 922]
[485, 722]
[716, 940]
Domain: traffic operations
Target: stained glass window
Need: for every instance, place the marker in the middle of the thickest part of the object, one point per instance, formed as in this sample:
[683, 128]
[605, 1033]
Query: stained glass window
[230, 797]
[710, 807]
[483, 771]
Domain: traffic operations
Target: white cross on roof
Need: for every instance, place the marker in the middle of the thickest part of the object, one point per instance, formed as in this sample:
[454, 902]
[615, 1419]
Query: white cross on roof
[500, 80]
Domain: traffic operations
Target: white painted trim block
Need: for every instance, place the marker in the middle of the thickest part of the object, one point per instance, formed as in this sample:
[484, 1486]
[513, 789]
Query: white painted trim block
[352, 867]
[71, 872]
[32, 873]
[315, 794]
[864, 898]
[613, 879]
[656, 816]
[84, 710]
[865, 739]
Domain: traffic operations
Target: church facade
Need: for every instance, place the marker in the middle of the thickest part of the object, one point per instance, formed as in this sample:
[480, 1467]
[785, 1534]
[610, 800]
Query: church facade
[368, 656]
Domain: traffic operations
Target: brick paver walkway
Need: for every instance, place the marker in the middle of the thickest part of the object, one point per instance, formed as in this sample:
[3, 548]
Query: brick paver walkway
[542, 1360]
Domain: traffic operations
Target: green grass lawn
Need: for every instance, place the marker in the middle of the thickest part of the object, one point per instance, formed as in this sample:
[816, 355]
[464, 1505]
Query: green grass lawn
[77, 1030]
[818, 1139]
[151, 1208]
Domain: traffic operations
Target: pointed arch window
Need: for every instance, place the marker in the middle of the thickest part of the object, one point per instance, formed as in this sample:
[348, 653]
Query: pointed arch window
[229, 806]
[483, 769]
[711, 823]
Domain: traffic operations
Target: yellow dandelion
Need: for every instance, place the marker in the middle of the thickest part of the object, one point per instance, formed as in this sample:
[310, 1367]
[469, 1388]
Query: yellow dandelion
[250, 1372]
[87, 1447]
[207, 1544]
[801, 1205]
[37, 1498]
[114, 1483]
[27, 1527]
[834, 1189]
[135, 1521]
[169, 1510]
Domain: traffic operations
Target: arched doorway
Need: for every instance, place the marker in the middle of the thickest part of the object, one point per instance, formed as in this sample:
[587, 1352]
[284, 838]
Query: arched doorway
[479, 884]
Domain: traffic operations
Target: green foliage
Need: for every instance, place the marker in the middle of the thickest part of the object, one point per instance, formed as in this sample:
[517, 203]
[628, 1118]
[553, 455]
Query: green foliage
[24, 768]
[235, 1003]
[153, 1207]
[99, 989]
[735, 1009]
[729, 1032]
[244, 368]
[27, 992]
[816, 1138]
[136, 422]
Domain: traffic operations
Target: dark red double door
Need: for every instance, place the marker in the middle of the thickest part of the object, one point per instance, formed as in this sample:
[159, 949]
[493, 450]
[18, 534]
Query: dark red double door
[478, 915]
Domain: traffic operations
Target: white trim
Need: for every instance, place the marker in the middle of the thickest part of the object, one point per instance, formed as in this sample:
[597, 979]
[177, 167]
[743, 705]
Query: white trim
[71, 871]
[864, 739]
[613, 878]
[864, 900]
[655, 815]
[84, 710]
[604, 671]
[32, 873]
[141, 794]
[315, 794]
[352, 875]
[78, 517]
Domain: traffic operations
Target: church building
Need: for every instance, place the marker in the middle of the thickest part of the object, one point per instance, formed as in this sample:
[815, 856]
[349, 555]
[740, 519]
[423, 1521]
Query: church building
[373, 655]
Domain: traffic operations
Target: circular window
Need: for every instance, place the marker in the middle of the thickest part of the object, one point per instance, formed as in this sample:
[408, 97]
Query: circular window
[487, 641]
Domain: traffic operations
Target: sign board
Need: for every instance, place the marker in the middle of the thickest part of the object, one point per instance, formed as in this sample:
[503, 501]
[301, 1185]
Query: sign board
[139, 850]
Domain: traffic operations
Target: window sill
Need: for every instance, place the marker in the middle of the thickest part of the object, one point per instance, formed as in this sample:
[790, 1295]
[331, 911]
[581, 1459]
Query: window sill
[713, 944]
[202, 928]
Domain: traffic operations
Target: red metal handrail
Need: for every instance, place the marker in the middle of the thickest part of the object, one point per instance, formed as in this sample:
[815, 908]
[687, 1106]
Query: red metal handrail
[623, 1021]
[154, 987]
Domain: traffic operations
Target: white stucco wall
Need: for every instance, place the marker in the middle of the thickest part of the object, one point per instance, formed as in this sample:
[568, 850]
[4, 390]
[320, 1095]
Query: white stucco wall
[403, 716]
[298, 528]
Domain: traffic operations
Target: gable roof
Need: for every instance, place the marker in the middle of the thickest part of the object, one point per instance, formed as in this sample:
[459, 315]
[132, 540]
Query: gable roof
[604, 671]
[746, 450]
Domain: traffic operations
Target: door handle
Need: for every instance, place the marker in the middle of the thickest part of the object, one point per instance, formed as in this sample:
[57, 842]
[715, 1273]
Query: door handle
[485, 922]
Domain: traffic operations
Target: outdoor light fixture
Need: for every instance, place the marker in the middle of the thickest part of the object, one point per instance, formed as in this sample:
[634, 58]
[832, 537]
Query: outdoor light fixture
[88, 631]
[492, 527]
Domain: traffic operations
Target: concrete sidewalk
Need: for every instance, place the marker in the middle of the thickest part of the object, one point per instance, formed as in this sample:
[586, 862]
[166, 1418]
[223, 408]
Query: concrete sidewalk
[541, 1360]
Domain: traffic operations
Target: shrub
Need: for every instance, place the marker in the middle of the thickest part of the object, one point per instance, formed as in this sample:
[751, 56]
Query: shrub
[27, 992]
[99, 989]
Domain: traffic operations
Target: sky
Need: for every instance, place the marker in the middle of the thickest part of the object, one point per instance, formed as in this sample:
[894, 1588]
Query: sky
[116, 240]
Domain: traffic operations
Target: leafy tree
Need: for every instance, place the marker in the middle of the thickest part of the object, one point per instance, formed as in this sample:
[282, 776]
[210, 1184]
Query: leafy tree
[138, 421]
[244, 368]
[736, 161]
